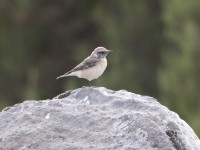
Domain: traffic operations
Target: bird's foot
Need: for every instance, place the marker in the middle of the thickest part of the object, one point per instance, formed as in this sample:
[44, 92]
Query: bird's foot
[90, 83]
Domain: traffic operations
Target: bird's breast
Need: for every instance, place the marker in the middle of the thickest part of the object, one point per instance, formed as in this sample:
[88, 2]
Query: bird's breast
[103, 63]
[95, 71]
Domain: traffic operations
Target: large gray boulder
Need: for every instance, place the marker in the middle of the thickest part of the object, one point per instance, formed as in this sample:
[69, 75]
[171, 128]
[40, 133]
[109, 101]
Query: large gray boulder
[94, 118]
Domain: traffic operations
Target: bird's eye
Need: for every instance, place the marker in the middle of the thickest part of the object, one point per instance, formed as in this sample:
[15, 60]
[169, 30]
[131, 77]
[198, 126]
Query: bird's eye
[102, 52]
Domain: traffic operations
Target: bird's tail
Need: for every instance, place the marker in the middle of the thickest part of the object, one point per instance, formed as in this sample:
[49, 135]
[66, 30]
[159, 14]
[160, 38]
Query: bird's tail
[64, 75]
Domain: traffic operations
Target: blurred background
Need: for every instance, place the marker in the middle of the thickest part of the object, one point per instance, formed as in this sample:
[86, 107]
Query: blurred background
[156, 48]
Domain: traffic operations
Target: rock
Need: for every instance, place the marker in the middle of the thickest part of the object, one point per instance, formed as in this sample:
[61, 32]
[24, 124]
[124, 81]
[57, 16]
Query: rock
[94, 118]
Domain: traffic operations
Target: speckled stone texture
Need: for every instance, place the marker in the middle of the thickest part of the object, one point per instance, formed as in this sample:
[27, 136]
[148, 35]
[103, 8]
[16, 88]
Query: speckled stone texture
[91, 118]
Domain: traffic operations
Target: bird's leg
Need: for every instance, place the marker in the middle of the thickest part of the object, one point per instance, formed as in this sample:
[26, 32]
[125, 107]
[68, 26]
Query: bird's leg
[90, 83]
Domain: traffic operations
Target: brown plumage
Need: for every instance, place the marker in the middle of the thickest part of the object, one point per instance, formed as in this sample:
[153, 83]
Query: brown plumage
[91, 67]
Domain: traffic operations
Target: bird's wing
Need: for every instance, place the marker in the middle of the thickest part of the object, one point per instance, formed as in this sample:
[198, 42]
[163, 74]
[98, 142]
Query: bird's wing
[87, 63]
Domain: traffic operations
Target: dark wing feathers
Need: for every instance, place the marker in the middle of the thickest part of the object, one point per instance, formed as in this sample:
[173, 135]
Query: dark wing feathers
[87, 63]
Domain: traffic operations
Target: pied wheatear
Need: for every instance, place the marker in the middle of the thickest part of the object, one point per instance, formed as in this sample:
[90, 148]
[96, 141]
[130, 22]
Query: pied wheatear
[92, 67]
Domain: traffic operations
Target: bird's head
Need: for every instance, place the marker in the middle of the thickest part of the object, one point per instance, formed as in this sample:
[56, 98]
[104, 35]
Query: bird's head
[100, 52]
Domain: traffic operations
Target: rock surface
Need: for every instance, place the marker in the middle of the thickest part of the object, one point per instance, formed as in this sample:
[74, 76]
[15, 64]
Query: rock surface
[94, 118]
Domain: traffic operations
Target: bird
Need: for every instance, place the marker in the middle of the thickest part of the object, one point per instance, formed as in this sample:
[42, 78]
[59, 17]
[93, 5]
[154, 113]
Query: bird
[92, 67]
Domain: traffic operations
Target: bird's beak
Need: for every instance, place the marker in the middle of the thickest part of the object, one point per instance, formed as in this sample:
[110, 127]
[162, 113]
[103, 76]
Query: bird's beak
[110, 51]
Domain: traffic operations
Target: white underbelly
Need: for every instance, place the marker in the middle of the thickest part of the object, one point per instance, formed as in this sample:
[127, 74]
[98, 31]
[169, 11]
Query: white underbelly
[93, 73]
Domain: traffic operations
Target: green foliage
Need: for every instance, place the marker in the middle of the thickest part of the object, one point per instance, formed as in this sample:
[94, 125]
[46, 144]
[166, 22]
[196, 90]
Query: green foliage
[179, 75]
